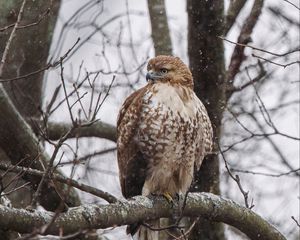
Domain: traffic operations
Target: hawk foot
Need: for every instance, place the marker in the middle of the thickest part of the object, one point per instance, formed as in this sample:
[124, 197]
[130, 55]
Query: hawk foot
[168, 197]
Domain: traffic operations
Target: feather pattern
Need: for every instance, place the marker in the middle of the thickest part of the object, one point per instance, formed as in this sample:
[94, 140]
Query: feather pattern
[163, 133]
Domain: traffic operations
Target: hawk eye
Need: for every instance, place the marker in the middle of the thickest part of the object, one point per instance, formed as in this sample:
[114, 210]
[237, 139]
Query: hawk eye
[164, 70]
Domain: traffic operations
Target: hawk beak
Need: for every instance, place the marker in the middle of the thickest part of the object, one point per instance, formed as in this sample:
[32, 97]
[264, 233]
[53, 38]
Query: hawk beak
[151, 76]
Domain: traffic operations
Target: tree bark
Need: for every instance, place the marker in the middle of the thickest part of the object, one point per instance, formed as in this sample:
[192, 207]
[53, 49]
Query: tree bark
[206, 56]
[208, 206]
[98, 129]
[159, 27]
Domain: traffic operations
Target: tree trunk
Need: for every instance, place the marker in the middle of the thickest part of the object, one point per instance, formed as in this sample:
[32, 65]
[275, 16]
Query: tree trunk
[206, 55]
[28, 51]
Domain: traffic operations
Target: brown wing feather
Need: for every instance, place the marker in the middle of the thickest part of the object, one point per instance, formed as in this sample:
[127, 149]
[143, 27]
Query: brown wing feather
[132, 165]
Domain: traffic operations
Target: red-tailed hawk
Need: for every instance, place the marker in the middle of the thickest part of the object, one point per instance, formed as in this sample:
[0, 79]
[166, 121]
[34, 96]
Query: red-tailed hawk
[164, 132]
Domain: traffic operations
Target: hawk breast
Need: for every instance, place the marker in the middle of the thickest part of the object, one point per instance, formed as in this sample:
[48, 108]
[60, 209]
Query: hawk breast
[171, 134]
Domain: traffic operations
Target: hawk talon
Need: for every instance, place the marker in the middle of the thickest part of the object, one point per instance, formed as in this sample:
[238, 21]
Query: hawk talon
[168, 197]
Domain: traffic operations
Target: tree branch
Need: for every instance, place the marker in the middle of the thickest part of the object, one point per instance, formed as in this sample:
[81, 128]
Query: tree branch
[59, 178]
[98, 129]
[160, 28]
[232, 89]
[244, 38]
[233, 11]
[209, 206]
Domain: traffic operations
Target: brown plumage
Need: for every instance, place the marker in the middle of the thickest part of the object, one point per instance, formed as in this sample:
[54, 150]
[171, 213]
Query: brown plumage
[163, 132]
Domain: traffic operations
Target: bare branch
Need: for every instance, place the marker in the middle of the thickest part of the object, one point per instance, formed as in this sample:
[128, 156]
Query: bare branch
[14, 129]
[55, 177]
[295, 220]
[260, 76]
[277, 12]
[98, 129]
[84, 158]
[260, 49]
[236, 178]
[27, 25]
[278, 64]
[245, 36]
[292, 4]
[289, 173]
[49, 65]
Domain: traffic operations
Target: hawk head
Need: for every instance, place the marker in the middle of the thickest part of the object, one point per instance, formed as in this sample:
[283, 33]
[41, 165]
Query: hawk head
[169, 69]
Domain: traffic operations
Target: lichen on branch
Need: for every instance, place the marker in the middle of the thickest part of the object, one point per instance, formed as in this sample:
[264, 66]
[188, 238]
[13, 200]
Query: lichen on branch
[138, 209]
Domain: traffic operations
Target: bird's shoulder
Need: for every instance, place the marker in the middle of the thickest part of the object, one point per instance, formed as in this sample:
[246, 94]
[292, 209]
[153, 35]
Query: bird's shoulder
[132, 103]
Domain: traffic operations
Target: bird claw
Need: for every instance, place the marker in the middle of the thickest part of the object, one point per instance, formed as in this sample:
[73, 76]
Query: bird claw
[168, 197]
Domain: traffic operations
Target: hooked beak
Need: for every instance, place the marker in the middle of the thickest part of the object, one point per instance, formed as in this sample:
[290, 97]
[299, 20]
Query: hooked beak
[152, 76]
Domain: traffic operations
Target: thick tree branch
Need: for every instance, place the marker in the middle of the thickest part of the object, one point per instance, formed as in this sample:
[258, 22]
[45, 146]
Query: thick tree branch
[205, 205]
[98, 129]
[160, 29]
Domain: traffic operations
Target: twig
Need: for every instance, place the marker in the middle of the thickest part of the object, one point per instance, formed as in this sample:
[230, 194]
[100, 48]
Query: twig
[79, 100]
[292, 4]
[66, 95]
[278, 64]
[98, 104]
[46, 114]
[9, 41]
[266, 174]
[260, 49]
[267, 116]
[49, 65]
[88, 156]
[295, 220]
[49, 167]
[273, 144]
[161, 228]
[15, 189]
[260, 76]
[277, 12]
[27, 25]
[69, 95]
[236, 178]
